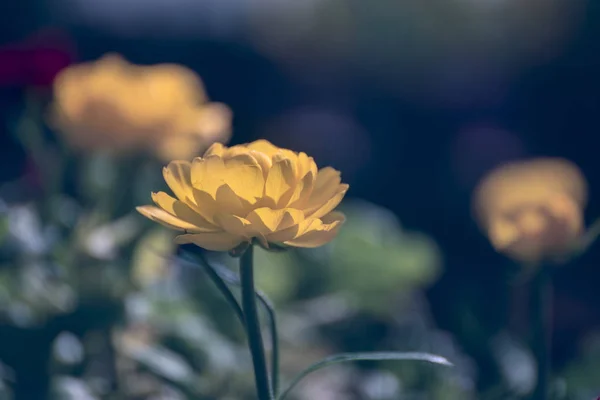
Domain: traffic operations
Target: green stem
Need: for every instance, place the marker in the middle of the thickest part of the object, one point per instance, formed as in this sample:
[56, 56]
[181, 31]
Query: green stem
[255, 343]
[542, 331]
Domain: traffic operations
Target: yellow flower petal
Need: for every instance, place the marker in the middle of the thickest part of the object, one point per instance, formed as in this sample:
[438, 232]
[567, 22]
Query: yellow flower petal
[244, 176]
[265, 220]
[291, 217]
[284, 235]
[263, 160]
[262, 239]
[244, 193]
[228, 201]
[334, 217]
[216, 149]
[288, 227]
[216, 241]
[318, 232]
[305, 164]
[264, 146]
[225, 201]
[234, 151]
[325, 187]
[329, 205]
[302, 191]
[164, 218]
[279, 183]
[235, 225]
[295, 231]
[178, 177]
[208, 174]
[182, 211]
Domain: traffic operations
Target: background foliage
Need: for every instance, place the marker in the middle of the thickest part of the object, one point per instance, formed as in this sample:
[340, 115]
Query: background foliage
[413, 101]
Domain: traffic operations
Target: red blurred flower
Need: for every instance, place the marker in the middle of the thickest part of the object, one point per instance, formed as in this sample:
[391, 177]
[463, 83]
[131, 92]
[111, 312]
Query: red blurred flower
[36, 60]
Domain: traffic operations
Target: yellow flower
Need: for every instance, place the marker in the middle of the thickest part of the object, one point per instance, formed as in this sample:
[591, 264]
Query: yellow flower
[254, 191]
[113, 105]
[532, 210]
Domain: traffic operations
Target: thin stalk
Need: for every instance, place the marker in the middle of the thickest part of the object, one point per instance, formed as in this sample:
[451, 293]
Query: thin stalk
[255, 342]
[542, 331]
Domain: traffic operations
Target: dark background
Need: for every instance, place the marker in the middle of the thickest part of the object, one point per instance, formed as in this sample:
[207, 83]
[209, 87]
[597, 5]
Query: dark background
[413, 133]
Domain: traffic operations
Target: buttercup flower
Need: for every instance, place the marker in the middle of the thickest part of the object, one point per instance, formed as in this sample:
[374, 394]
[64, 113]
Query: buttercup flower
[113, 105]
[532, 210]
[233, 195]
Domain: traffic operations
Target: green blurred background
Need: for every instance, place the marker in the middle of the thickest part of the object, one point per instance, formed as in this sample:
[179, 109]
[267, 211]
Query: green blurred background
[412, 100]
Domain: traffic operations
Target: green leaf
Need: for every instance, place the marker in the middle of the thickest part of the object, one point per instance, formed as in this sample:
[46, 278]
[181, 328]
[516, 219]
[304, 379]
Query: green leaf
[374, 356]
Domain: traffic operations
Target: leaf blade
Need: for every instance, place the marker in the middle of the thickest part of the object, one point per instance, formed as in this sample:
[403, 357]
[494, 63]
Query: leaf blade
[369, 356]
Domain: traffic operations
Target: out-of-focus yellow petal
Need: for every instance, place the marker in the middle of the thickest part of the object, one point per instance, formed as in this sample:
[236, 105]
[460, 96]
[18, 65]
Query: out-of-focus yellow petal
[503, 233]
[182, 211]
[244, 176]
[178, 177]
[214, 122]
[113, 105]
[164, 218]
[533, 181]
[174, 147]
[280, 180]
[217, 241]
[532, 210]
[532, 222]
[566, 209]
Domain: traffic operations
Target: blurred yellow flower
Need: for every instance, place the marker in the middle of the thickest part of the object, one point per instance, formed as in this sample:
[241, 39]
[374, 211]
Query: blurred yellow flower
[113, 105]
[253, 191]
[532, 210]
